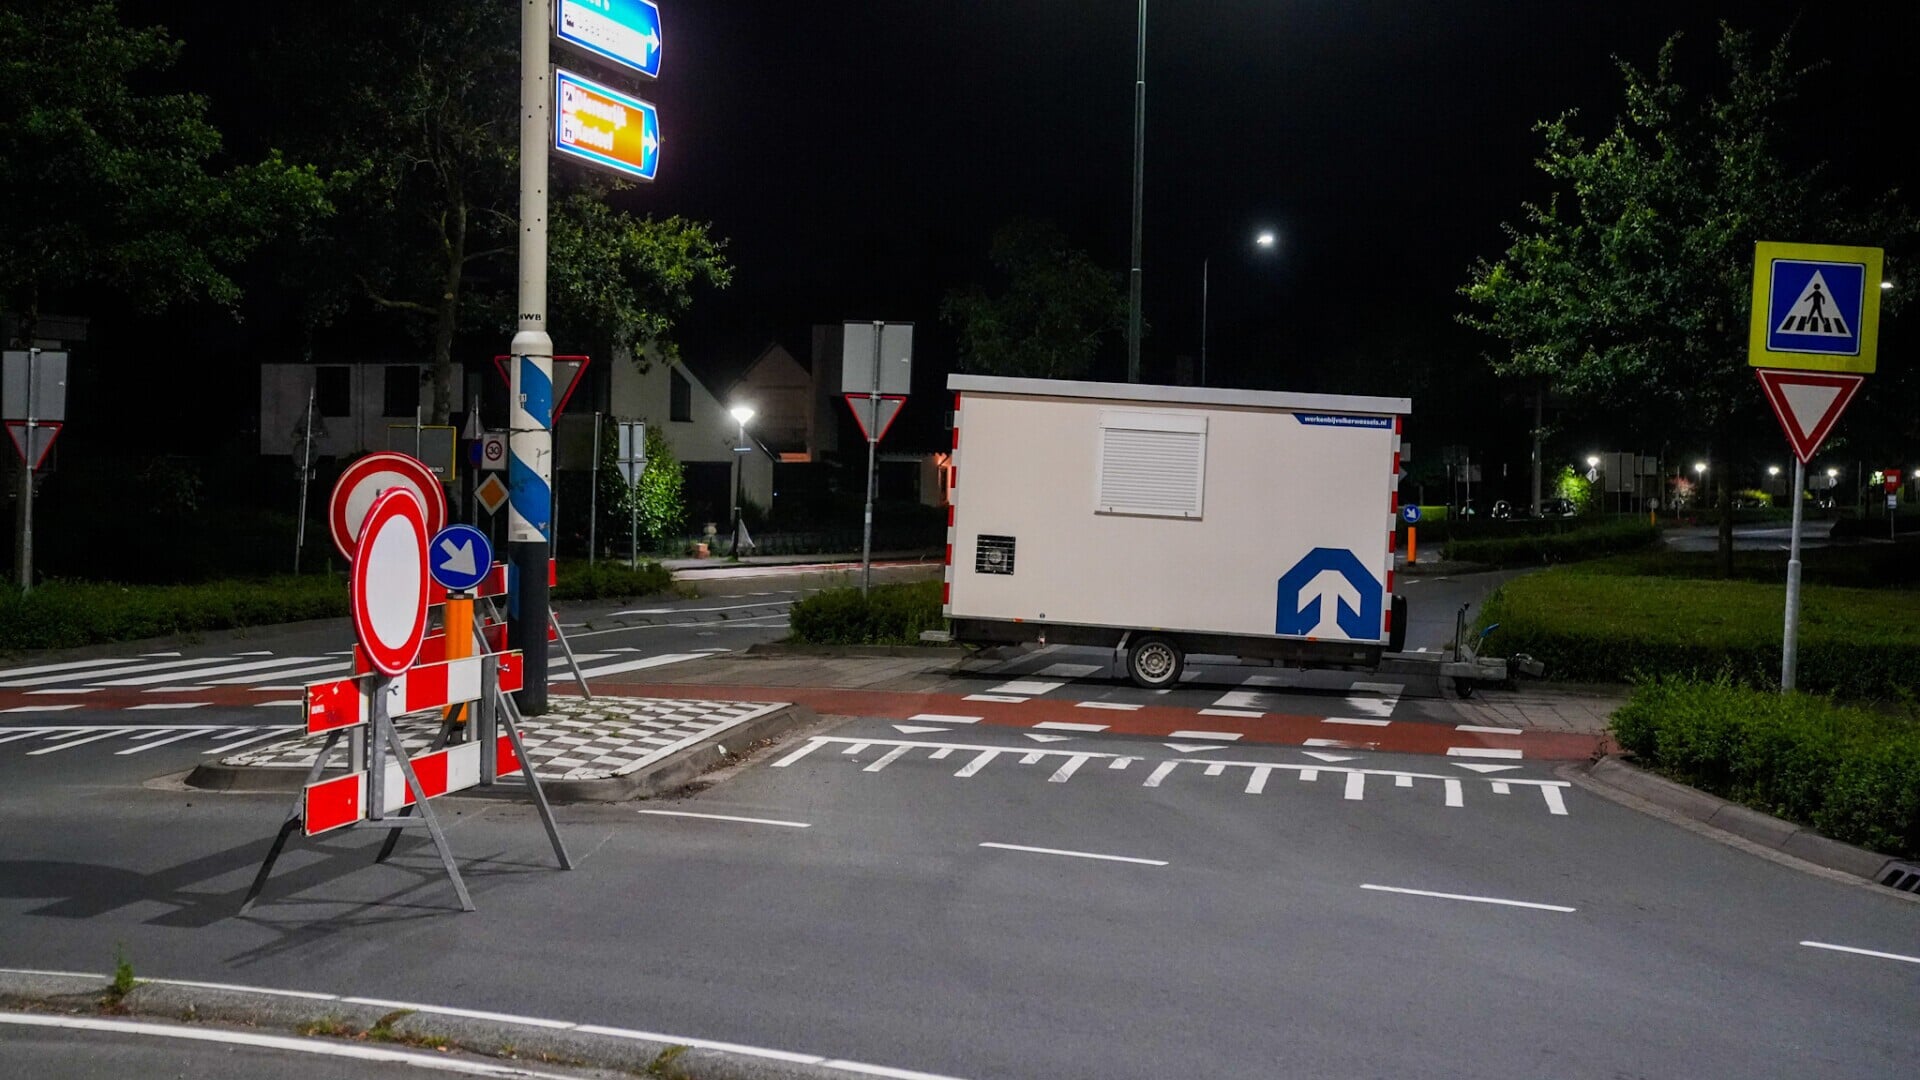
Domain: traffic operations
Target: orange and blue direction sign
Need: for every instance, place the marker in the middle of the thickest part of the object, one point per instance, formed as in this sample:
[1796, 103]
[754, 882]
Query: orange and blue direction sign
[1816, 307]
[602, 126]
[625, 32]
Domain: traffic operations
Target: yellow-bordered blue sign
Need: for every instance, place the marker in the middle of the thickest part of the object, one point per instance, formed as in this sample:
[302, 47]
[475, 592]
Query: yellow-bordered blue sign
[1816, 307]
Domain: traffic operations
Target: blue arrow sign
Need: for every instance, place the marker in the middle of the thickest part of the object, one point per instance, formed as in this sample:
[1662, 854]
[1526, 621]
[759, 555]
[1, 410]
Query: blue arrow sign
[626, 32]
[1330, 576]
[459, 557]
[1410, 514]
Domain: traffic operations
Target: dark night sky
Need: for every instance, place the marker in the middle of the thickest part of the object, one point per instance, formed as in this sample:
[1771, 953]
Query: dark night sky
[857, 155]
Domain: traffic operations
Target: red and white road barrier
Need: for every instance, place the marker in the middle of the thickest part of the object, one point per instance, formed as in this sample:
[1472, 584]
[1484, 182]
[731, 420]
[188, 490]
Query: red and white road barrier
[433, 648]
[335, 804]
[339, 703]
[343, 703]
[495, 585]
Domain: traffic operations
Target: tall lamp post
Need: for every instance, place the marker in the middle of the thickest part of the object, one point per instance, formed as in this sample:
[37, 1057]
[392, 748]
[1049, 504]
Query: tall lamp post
[1139, 183]
[1264, 240]
[741, 414]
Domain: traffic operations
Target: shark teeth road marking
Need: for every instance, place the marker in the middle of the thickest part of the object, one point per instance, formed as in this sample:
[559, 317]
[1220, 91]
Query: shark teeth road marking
[1187, 748]
[1047, 738]
[1318, 756]
[914, 729]
[1482, 767]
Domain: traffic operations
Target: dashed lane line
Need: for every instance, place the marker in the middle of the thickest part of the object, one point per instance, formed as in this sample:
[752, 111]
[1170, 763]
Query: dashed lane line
[1875, 953]
[1074, 854]
[1470, 899]
[729, 817]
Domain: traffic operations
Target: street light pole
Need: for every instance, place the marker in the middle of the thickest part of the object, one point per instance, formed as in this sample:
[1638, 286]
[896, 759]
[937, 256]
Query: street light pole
[530, 376]
[1203, 322]
[741, 414]
[1139, 183]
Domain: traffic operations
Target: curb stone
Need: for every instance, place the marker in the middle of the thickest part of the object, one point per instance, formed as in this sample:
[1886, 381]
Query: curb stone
[657, 778]
[536, 1043]
[1726, 817]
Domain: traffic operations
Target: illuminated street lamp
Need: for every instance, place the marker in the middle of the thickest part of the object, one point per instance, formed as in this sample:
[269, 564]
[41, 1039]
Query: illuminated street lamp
[1773, 470]
[741, 414]
[1265, 240]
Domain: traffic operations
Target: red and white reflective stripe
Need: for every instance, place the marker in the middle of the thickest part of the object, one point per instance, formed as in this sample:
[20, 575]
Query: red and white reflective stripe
[444, 771]
[953, 492]
[433, 648]
[505, 761]
[434, 686]
[340, 703]
[1393, 528]
[334, 804]
[494, 585]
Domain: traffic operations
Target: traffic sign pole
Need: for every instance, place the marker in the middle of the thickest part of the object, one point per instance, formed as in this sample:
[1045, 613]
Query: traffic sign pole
[26, 483]
[873, 446]
[530, 373]
[1790, 638]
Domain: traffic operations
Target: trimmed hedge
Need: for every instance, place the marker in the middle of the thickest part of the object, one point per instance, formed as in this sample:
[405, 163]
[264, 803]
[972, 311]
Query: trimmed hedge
[1591, 626]
[67, 614]
[889, 615]
[1853, 774]
[1590, 542]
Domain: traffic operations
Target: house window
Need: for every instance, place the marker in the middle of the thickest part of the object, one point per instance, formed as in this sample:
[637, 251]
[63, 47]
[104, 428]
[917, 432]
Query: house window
[680, 397]
[402, 391]
[333, 391]
[1153, 464]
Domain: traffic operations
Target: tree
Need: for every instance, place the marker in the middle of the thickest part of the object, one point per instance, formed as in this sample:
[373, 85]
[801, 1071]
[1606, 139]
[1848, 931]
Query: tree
[1629, 289]
[419, 106]
[661, 491]
[1049, 321]
[104, 182]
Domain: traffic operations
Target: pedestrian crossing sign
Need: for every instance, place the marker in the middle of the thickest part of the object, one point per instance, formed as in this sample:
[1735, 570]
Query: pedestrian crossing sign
[1816, 307]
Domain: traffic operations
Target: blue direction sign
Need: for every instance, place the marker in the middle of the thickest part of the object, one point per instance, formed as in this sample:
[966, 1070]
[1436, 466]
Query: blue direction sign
[627, 32]
[1330, 594]
[459, 557]
[1410, 514]
[601, 125]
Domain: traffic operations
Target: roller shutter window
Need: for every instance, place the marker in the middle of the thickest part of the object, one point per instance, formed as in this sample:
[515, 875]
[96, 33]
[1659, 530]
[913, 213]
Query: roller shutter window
[1152, 464]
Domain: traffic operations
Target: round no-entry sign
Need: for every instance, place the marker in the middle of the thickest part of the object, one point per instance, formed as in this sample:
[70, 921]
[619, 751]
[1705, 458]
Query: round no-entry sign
[390, 581]
[365, 479]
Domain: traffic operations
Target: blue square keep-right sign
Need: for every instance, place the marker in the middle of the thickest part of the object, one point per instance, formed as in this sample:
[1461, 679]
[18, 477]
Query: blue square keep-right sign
[1815, 307]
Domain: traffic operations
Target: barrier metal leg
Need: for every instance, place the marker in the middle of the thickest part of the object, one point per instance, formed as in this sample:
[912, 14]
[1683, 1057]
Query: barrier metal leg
[426, 811]
[440, 741]
[507, 713]
[291, 823]
[567, 648]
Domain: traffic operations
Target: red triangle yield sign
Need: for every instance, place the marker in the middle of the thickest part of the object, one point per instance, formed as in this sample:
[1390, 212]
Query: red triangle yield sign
[562, 365]
[1808, 404]
[44, 432]
[864, 406]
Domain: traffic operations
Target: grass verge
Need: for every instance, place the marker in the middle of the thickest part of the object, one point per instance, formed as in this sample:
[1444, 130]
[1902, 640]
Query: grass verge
[1541, 549]
[889, 615]
[68, 614]
[1851, 773]
[1591, 625]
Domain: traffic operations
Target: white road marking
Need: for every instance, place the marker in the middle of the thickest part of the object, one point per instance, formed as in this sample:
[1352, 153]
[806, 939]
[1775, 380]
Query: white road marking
[1029, 687]
[187, 734]
[171, 705]
[1257, 780]
[1160, 773]
[1187, 748]
[67, 693]
[334, 667]
[978, 763]
[39, 708]
[202, 673]
[728, 817]
[278, 704]
[1244, 714]
[125, 668]
[172, 689]
[1309, 775]
[686, 610]
[1320, 755]
[639, 665]
[1032, 758]
[942, 753]
[1238, 699]
[1121, 762]
[106, 734]
[1470, 899]
[1216, 769]
[1403, 780]
[915, 729]
[1454, 796]
[256, 652]
[273, 733]
[1218, 736]
[1117, 706]
[1065, 772]
[1862, 952]
[1500, 788]
[1355, 720]
[71, 665]
[1062, 725]
[1482, 767]
[1004, 699]
[286, 1043]
[1481, 751]
[943, 718]
[1068, 671]
[1074, 854]
[1555, 803]
[1490, 730]
[887, 759]
[1327, 742]
[1356, 786]
[1049, 738]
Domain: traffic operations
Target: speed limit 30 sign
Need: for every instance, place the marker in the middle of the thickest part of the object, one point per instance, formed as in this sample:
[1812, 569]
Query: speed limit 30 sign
[493, 451]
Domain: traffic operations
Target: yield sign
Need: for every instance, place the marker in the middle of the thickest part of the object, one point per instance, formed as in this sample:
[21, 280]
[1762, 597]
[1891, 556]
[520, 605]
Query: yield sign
[863, 406]
[42, 435]
[1808, 404]
[567, 368]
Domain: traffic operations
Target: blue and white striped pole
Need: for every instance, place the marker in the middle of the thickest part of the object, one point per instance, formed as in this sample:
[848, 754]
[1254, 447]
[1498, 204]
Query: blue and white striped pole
[530, 376]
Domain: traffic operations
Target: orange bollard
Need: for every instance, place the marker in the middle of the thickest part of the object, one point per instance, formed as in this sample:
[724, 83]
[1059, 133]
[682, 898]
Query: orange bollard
[457, 621]
[1413, 545]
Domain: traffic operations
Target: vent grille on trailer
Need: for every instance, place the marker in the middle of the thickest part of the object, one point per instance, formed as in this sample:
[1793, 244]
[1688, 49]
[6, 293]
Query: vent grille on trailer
[993, 555]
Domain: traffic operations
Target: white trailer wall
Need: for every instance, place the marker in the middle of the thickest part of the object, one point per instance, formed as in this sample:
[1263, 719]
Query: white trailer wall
[1281, 476]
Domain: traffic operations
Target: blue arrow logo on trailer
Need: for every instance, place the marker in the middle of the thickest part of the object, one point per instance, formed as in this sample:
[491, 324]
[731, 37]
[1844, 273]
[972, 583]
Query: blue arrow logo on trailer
[1329, 576]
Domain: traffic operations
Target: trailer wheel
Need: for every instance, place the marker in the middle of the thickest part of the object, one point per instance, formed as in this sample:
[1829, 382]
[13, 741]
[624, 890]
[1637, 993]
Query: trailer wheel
[1154, 662]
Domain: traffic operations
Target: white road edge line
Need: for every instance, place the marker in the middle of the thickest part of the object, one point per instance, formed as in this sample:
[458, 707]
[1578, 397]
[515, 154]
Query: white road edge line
[1073, 854]
[1862, 952]
[728, 817]
[276, 1042]
[1470, 899]
[366, 1053]
[1490, 730]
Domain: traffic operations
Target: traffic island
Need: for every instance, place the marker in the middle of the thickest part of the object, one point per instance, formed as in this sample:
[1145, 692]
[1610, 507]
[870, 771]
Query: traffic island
[606, 749]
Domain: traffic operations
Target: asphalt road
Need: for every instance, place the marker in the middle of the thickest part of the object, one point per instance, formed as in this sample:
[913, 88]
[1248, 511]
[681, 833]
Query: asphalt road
[1230, 929]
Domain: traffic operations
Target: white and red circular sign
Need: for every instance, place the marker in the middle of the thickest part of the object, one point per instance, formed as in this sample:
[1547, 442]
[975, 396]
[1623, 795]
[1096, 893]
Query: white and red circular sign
[361, 482]
[390, 581]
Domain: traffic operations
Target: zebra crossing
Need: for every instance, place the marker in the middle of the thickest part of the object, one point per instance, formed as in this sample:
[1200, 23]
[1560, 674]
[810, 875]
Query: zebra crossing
[1217, 690]
[261, 678]
[42, 739]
